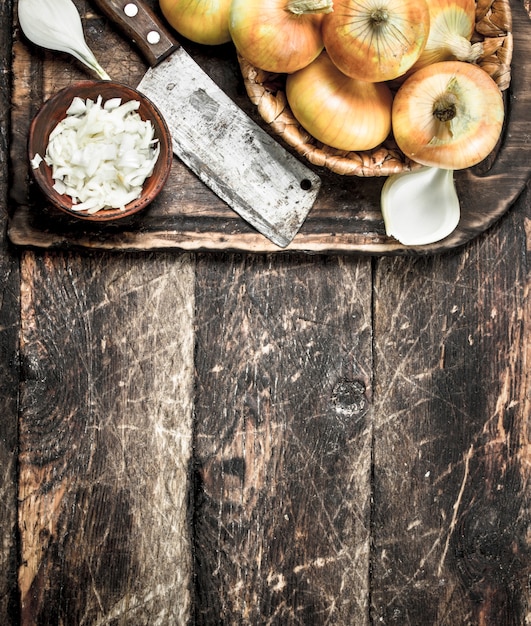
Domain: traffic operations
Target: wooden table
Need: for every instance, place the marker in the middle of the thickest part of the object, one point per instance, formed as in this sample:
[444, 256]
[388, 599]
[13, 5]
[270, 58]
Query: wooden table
[228, 438]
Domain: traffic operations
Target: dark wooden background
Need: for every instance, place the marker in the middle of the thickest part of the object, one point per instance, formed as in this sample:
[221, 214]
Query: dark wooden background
[218, 439]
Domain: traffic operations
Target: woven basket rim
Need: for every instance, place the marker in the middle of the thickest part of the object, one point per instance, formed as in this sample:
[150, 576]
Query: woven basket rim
[266, 91]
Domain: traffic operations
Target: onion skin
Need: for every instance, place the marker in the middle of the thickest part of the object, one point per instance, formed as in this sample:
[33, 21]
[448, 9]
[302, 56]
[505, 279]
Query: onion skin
[376, 40]
[339, 111]
[274, 38]
[202, 21]
[474, 108]
[452, 24]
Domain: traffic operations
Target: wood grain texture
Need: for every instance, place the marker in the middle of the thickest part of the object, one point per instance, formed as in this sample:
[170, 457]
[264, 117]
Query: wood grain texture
[105, 439]
[452, 426]
[9, 326]
[283, 441]
[346, 217]
[260, 439]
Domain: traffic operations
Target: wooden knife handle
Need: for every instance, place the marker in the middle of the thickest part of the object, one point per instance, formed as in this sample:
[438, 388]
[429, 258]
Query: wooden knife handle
[142, 26]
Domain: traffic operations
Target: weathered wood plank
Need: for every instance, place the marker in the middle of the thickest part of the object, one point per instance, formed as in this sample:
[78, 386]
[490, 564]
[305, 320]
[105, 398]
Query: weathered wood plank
[105, 439]
[103, 512]
[452, 457]
[283, 441]
[9, 327]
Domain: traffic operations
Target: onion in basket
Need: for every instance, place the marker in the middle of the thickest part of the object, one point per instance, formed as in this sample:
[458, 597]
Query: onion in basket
[278, 35]
[449, 115]
[340, 111]
[376, 40]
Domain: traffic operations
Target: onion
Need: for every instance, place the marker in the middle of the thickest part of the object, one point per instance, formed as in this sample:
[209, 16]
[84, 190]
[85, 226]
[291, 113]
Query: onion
[340, 111]
[202, 21]
[56, 25]
[279, 36]
[101, 155]
[448, 115]
[420, 207]
[376, 40]
[452, 24]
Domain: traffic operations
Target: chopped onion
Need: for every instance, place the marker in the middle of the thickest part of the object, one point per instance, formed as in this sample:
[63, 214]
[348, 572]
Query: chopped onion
[36, 161]
[101, 155]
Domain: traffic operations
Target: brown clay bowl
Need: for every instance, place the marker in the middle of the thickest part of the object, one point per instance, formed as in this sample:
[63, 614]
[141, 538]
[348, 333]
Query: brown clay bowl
[54, 110]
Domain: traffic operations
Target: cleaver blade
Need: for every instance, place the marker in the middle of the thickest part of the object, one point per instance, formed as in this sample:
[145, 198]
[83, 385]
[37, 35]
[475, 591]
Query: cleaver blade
[246, 167]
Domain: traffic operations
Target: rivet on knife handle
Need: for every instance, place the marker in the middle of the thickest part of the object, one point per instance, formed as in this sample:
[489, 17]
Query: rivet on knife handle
[141, 25]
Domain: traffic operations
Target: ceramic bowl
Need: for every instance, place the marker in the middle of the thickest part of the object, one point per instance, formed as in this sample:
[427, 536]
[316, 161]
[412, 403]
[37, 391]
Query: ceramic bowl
[54, 110]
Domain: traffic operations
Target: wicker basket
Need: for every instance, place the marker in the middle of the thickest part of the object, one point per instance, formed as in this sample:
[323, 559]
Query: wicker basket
[266, 91]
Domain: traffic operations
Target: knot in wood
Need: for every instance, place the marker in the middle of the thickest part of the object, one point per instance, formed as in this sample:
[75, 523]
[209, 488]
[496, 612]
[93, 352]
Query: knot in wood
[487, 550]
[348, 398]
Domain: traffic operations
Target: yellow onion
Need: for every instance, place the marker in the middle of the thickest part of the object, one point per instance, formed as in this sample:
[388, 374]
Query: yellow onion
[280, 36]
[202, 21]
[376, 40]
[448, 115]
[342, 112]
[452, 24]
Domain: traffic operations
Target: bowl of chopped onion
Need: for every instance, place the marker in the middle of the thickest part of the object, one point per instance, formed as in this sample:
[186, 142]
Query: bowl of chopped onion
[100, 150]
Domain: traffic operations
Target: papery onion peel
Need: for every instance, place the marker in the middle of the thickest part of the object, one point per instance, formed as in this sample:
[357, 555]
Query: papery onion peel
[376, 40]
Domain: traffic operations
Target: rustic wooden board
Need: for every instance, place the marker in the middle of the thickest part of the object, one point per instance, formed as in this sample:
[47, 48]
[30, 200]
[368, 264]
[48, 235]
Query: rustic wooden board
[452, 435]
[283, 441]
[312, 498]
[105, 439]
[345, 218]
[9, 328]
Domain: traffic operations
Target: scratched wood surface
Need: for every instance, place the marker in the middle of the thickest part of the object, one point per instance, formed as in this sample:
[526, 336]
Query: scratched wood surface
[9, 324]
[346, 217]
[451, 434]
[283, 441]
[104, 436]
[211, 439]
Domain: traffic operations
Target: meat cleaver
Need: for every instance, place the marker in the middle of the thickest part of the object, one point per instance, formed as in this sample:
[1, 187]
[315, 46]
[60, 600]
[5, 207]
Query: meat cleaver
[229, 152]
